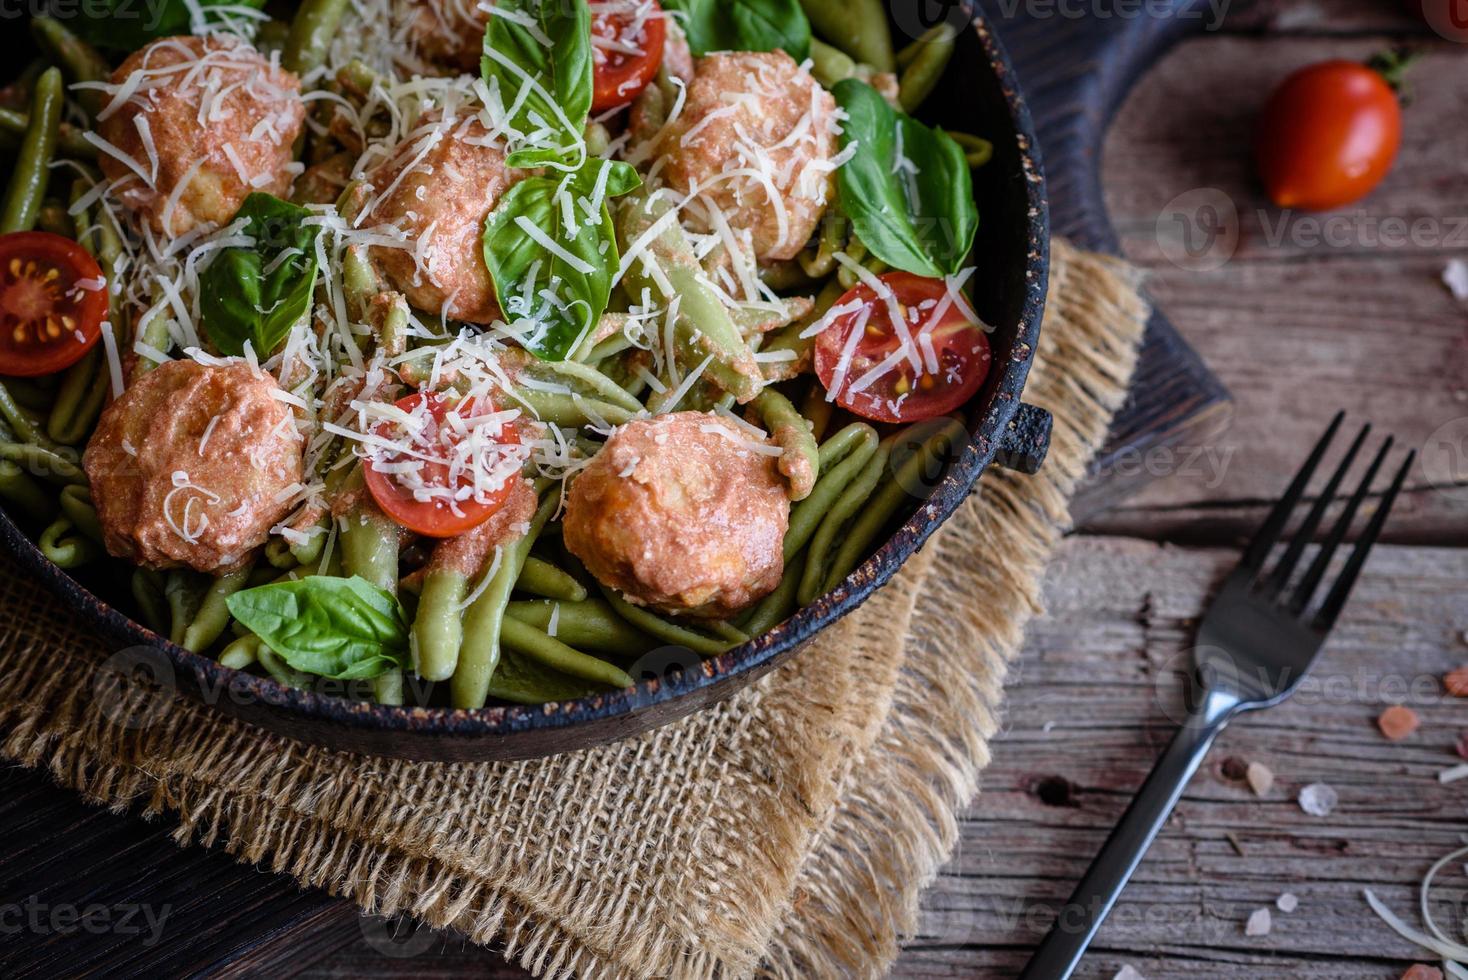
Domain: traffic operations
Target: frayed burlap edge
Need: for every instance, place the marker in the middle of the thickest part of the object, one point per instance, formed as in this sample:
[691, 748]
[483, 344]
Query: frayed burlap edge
[797, 822]
[896, 824]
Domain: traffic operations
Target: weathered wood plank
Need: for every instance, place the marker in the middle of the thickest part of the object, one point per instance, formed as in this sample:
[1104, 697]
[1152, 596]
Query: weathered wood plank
[86, 891]
[1294, 325]
[1122, 611]
[1075, 71]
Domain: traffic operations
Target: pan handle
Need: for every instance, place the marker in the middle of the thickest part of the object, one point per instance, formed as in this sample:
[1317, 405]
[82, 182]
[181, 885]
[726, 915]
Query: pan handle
[1025, 441]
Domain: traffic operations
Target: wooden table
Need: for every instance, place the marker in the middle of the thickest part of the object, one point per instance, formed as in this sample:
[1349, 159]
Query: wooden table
[1295, 330]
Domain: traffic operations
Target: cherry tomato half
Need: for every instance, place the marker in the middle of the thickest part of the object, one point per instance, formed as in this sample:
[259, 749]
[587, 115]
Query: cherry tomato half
[944, 367]
[627, 39]
[52, 303]
[403, 498]
[1328, 135]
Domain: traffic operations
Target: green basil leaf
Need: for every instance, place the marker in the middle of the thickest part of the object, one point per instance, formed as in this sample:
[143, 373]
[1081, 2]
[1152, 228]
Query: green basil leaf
[744, 25]
[921, 219]
[555, 54]
[561, 298]
[126, 25]
[342, 628]
[621, 178]
[534, 158]
[258, 293]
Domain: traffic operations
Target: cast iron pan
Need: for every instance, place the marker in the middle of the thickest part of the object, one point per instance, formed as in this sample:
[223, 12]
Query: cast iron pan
[979, 95]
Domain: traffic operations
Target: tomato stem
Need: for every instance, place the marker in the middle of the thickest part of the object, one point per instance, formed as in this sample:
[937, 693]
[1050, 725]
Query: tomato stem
[1392, 65]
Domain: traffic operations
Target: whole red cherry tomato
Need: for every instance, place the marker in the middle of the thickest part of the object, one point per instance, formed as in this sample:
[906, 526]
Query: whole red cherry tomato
[1328, 136]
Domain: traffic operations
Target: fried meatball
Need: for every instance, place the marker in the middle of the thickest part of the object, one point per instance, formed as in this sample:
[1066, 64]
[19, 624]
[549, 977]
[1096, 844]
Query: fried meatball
[191, 466]
[449, 33]
[683, 514]
[752, 123]
[211, 120]
[438, 187]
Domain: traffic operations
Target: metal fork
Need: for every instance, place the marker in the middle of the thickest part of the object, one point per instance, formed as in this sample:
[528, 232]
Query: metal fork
[1257, 642]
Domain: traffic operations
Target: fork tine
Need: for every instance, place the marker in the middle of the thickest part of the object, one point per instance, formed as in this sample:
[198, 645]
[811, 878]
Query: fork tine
[1341, 591]
[1268, 535]
[1306, 589]
[1280, 577]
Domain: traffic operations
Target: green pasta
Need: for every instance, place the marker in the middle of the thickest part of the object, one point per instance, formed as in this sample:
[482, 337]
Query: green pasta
[20, 491]
[851, 499]
[212, 619]
[70, 141]
[79, 60]
[469, 687]
[184, 593]
[35, 395]
[49, 464]
[800, 457]
[925, 70]
[857, 27]
[818, 410]
[24, 427]
[63, 544]
[370, 542]
[438, 628]
[279, 670]
[843, 457]
[32, 173]
[76, 504]
[661, 629]
[583, 381]
[522, 680]
[885, 504]
[540, 577]
[278, 554]
[776, 607]
[829, 64]
[976, 150]
[551, 652]
[79, 401]
[315, 24]
[590, 625]
[571, 411]
[704, 331]
[242, 654]
[53, 218]
[148, 592]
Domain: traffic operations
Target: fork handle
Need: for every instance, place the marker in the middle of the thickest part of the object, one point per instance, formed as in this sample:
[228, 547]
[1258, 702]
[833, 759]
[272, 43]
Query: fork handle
[1079, 919]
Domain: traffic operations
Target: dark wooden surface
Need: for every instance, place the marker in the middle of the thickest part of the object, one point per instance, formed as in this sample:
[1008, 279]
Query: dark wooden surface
[1295, 331]
[1075, 73]
[86, 891]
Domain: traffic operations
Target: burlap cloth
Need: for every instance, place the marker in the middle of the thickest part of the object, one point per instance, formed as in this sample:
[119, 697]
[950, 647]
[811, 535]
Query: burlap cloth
[788, 831]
